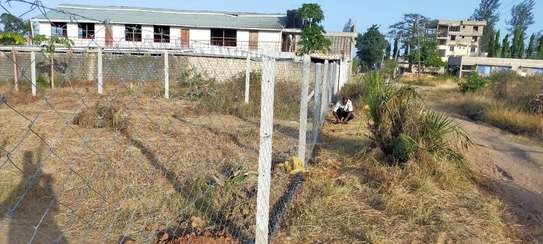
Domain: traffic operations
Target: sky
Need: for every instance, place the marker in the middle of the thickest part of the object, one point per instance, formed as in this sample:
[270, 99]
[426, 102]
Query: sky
[337, 12]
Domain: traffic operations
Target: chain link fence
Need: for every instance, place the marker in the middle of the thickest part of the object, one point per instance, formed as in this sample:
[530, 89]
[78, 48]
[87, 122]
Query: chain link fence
[150, 146]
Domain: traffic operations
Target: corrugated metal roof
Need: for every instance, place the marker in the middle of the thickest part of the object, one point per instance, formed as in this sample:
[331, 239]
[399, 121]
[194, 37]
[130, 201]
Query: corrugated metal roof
[154, 16]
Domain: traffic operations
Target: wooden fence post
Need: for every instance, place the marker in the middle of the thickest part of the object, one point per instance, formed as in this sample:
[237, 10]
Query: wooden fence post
[265, 152]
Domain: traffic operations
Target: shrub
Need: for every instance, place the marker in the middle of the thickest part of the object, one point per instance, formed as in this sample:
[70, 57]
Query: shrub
[473, 83]
[402, 127]
[106, 113]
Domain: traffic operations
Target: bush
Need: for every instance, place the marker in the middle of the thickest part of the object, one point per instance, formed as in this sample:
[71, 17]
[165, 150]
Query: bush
[473, 83]
[402, 127]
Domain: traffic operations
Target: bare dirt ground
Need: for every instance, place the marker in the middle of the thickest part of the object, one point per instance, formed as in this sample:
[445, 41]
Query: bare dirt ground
[513, 169]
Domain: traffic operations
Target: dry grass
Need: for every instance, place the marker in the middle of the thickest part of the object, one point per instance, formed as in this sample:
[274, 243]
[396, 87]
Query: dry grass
[352, 197]
[132, 164]
[428, 80]
[497, 113]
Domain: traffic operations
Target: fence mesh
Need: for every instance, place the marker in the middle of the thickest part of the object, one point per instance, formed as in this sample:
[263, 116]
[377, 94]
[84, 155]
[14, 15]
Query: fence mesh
[112, 145]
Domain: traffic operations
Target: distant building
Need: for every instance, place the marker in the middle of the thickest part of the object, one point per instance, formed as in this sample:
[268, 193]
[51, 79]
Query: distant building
[459, 38]
[485, 66]
[218, 33]
[123, 27]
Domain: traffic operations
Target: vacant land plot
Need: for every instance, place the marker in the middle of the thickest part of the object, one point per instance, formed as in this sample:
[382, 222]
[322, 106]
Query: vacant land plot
[78, 167]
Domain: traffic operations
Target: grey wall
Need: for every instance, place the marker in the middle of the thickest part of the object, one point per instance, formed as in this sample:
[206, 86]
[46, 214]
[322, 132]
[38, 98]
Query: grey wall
[74, 67]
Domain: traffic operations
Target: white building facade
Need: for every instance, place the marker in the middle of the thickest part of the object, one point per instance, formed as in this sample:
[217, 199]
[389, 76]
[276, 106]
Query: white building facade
[128, 27]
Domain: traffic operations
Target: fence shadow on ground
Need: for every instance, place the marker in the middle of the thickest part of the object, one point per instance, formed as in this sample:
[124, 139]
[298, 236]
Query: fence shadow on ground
[204, 208]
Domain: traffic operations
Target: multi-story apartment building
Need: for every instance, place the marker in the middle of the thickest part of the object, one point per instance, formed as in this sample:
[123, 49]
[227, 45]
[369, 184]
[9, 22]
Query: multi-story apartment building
[459, 38]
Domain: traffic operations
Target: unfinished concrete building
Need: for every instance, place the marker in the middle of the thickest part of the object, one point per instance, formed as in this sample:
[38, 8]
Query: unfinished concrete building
[459, 38]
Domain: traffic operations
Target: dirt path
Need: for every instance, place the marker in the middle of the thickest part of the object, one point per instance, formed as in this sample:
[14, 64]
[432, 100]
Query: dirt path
[515, 173]
[514, 169]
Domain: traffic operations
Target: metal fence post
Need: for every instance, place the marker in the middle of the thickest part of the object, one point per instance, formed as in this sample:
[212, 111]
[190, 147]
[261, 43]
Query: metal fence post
[265, 152]
[247, 77]
[33, 72]
[166, 75]
[303, 108]
[99, 68]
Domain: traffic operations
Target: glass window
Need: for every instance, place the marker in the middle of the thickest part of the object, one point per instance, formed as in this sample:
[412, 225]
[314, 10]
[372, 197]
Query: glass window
[86, 30]
[453, 38]
[59, 29]
[223, 37]
[132, 33]
[162, 34]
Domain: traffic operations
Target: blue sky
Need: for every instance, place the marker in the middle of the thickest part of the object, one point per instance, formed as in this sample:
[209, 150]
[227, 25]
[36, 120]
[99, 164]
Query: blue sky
[337, 12]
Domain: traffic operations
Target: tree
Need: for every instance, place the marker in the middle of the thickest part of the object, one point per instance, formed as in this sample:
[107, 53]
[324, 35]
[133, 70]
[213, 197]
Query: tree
[429, 57]
[49, 46]
[12, 38]
[490, 47]
[14, 24]
[488, 11]
[506, 47]
[540, 49]
[371, 46]
[530, 52]
[517, 47]
[409, 29]
[522, 16]
[312, 37]
[497, 46]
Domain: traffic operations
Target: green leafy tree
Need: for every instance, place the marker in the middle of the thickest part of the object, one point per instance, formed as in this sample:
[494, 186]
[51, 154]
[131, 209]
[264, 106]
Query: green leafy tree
[517, 47]
[312, 37]
[410, 30]
[530, 52]
[49, 45]
[490, 48]
[12, 38]
[429, 57]
[371, 46]
[506, 47]
[522, 16]
[14, 24]
[540, 49]
[488, 11]
[497, 46]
